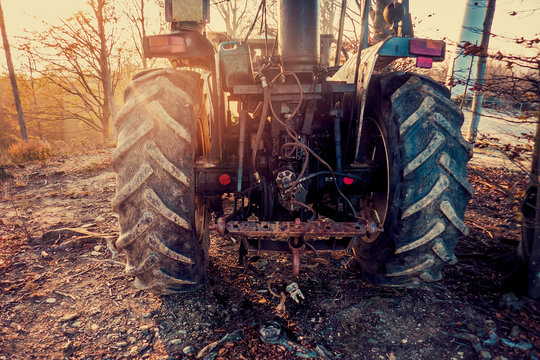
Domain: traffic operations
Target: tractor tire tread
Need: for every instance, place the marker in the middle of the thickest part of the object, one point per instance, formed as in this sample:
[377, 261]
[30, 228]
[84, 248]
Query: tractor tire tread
[433, 191]
[154, 163]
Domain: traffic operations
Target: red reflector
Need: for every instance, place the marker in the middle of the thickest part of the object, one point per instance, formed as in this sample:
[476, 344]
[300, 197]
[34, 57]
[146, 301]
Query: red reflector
[423, 62]
[426, 47]
[224, 179]
[165, 44]
[348, 181]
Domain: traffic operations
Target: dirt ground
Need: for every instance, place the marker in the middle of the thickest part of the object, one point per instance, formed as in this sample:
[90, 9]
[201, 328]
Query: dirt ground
[64, 297]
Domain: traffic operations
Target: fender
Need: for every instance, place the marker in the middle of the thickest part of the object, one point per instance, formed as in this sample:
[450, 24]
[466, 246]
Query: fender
[375, 58]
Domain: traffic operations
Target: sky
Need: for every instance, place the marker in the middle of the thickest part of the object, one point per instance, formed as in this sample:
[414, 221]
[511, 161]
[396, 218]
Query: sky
[434, 18]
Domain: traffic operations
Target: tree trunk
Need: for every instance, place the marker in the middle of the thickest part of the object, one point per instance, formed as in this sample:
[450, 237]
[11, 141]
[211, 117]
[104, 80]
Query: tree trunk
[340, 31]
[143, 31]
[11, 70]
[481, 73]
[105, 131]
[108, 101]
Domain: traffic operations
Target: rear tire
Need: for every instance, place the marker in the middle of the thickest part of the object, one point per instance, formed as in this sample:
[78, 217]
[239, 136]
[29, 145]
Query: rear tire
[427, 188]
[163, 226]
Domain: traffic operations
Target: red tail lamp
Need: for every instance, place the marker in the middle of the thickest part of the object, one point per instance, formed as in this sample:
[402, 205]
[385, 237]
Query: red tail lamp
[168, 45]
[348, 181]
[424, 62]
[426, 47]
[224, 179]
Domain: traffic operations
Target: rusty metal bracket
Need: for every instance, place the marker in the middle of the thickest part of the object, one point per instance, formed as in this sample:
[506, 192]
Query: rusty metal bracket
[297, 246]
[287, 229]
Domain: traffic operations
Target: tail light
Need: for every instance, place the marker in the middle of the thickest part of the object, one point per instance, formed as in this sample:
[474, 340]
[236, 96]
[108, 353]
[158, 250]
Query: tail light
[426, 47]
[348, 181]
[169, 45]
[424, 62]
[224, 179]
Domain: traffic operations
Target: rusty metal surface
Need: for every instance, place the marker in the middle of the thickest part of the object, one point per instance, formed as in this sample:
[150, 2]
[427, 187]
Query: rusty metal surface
[296, 260]
[285, 229]
[297, 246]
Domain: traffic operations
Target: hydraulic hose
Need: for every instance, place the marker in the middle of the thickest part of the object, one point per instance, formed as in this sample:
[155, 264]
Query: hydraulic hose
[260, 130]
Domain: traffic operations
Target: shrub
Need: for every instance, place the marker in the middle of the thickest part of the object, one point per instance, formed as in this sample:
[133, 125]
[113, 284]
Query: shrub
[29, 151]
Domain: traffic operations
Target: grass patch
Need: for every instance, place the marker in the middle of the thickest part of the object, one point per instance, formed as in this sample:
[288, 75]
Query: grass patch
[22, 152]
[93, 166]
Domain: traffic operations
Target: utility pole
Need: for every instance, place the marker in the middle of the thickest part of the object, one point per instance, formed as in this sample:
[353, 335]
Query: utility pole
[340, 31]
[14, 86]
[481, 73]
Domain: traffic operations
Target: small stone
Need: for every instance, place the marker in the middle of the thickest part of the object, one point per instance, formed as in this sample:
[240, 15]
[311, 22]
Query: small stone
[44, 254]
[132, 339]
[490, 323]
[95, 253]
[261, 264]
[175, 341]
[147, 315]
[111, 335]
[511, 302]
[373, 341]
[404, 341]
[484, 354]
[98, 247]
[188, 350]
[50, 300]
[94, 310]
[69, 317]
[68, 330]
[515, 332]
[182, 332]
[76, 324]
[145, 327]
[133, 350]
[121, 344]
[460, 353]
[95, 327]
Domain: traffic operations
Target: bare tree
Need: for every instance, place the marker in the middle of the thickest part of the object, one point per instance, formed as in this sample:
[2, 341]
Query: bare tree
[328, 13]
[43, 101]
[135, 11]
[237, 16]
[11, 70]
[79, 52]
[513, 82]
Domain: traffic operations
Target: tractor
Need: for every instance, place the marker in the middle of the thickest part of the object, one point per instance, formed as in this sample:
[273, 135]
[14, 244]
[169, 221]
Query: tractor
[269, 142]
